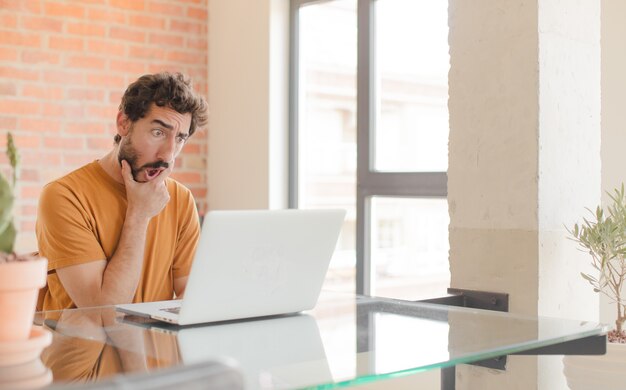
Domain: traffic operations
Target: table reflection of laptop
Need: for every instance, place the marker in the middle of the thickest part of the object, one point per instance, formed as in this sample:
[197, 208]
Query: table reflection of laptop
[275, 352]
[252, 264]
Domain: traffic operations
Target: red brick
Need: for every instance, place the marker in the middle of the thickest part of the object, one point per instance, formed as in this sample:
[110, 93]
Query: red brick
[137, 67]
[147, 22]
[20, 38]
[102, 112]
[8, 123]
[197, 13]
[67, 143]
[27, 141]
[39, 125]
[146, 52]
[8, 88]
[19, 107]
[29, 210]
[94, 143]
[30, 191]
[32, 6]
[61, 76]
[166, 39]
[86, 29]
[83, 94]
[106, 15]
[64, 10]
[63, 110]
[86, 128]
[187, 177]
[116, 97]
[196, 72]
[106, 47]
[41, 92]
[16, 73]
[190, 147]
[87, 62]
[97, 2]
[105, 80]
[39, 158]
[188, 27]
[184, 57]
[79, 159]
[198, 43]
[127, 34]
[38, 23]
[39, 57]
[199, 193]
[27, 226]
[8, 20]
[64, 43]
[21, 5]
[8, 54]
[169, 9]
[137, 5]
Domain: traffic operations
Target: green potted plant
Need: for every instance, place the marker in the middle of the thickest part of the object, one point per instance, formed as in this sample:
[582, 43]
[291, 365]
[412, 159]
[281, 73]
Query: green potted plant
[21, 276]
[604, 238]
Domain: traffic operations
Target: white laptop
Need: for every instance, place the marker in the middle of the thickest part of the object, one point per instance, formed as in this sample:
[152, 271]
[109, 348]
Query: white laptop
[252, 263]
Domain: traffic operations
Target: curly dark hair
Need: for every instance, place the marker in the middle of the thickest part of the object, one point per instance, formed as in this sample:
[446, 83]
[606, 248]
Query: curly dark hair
[165, 90]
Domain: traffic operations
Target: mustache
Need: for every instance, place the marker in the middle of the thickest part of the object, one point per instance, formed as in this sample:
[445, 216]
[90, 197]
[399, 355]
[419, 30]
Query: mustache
[156, 164]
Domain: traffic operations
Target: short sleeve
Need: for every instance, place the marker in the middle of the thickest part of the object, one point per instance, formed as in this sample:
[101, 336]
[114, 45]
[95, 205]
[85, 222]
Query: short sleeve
[65, 233]
[189, 233]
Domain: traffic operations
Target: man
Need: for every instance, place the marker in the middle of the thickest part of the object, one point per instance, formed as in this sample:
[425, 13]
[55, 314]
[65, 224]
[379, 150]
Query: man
[119, 230]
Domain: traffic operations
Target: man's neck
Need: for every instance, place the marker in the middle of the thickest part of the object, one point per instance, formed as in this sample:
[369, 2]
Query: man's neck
[111, 166]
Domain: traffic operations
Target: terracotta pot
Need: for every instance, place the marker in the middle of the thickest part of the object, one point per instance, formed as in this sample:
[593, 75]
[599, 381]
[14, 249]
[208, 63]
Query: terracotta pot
[20, 282]
[595, 372]
[28, 375]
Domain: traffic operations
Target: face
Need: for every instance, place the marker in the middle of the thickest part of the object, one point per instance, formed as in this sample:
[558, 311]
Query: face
[151, 144]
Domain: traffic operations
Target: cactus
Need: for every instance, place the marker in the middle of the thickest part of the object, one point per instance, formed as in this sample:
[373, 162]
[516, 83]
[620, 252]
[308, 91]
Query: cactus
[7, 198]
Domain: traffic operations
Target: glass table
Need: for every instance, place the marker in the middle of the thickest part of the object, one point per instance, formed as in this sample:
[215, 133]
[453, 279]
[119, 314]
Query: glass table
[346, 340]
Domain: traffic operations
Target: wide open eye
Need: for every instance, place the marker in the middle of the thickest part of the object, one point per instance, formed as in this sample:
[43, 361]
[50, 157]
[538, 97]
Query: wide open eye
[181, 138]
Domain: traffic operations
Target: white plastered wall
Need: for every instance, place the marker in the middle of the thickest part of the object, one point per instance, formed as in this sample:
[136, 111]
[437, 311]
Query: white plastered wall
[248, 92]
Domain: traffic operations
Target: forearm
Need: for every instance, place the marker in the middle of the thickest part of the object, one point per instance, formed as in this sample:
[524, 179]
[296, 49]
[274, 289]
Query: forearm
[123, 271]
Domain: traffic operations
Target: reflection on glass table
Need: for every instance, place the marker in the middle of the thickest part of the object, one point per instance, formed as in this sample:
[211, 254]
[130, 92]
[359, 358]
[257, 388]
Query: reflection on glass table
[345, 341]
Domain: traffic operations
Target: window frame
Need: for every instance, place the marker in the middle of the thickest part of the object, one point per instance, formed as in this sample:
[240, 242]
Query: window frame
[370, 183]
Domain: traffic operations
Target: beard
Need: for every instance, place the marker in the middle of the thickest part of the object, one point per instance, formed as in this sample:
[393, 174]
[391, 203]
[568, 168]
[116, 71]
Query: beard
[129, 153]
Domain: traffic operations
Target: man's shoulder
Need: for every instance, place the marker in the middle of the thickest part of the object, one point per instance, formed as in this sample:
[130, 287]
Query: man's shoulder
[76, 175]
[74, 181]
[178, 188]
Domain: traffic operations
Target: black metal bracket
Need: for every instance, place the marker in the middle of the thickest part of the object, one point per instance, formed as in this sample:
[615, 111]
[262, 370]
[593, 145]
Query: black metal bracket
[592, 345]
[474, 299]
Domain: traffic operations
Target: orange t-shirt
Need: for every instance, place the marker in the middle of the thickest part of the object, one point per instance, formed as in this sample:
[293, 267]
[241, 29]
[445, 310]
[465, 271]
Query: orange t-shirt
[80, 219]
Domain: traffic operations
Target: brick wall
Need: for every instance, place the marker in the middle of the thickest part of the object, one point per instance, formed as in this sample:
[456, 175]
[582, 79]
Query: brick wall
[64, 65]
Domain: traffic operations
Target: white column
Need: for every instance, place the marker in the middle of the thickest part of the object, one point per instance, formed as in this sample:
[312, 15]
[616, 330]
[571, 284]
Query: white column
[248, 102]
[613, 113]
[524, 161]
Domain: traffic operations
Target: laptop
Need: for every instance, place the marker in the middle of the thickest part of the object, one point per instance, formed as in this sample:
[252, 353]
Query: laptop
[252, 263]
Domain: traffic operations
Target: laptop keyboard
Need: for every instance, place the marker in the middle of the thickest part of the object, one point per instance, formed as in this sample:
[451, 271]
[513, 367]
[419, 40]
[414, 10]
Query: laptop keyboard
[174, 310]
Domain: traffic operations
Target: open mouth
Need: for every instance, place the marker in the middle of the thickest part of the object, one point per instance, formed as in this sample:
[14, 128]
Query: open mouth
[151, 173]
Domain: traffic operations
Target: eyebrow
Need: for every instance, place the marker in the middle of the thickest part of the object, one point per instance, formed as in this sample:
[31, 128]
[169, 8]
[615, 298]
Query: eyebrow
[160, 122]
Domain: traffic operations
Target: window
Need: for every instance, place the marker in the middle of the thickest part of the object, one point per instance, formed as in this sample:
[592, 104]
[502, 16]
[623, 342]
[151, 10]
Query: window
[369, 133]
